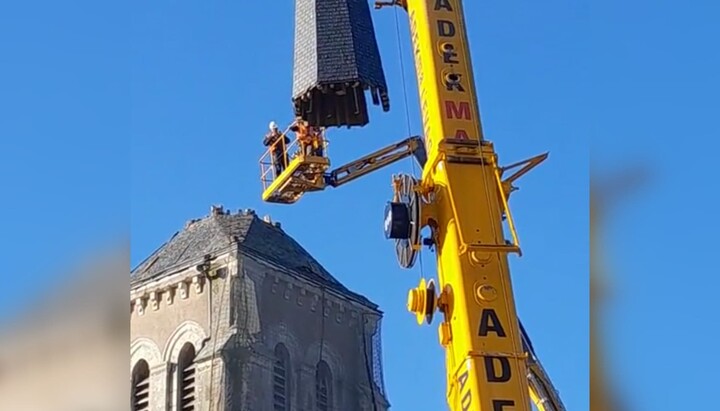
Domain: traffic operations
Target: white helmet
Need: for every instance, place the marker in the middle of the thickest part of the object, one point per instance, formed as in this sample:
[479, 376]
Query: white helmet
[273, 126]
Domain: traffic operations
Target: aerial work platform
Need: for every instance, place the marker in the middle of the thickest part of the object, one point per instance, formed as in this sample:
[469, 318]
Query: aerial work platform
[306, 172]
[299, 169]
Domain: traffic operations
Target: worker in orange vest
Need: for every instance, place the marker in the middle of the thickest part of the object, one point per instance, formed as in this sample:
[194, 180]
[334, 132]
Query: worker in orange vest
[317, 141]
[303, 132]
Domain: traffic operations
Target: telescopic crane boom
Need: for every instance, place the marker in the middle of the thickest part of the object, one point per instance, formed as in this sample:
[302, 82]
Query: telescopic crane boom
[462, 196]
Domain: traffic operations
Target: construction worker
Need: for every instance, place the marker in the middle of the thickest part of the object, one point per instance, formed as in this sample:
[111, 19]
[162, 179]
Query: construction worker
[302, 131]
[317, 141]
[277, 141]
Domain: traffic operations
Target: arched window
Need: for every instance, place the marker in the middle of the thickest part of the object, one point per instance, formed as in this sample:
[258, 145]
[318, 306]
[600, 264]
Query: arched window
[186, 378]
[323, 387]
[141, 386]
[281, 392]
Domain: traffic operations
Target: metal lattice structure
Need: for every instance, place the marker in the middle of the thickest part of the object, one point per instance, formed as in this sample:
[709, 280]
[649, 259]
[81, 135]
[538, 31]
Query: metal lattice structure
[377, 369]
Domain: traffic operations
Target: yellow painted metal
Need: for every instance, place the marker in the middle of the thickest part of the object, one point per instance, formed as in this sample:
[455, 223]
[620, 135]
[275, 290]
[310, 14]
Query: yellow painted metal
[301, 174]
[444, 72]
[417, 301]
[485, 360]
[465, 201]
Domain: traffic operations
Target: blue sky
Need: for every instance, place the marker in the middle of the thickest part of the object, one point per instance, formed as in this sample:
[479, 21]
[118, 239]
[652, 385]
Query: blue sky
[139, 117]
[207, 79]
[654, 103]
[64, 127]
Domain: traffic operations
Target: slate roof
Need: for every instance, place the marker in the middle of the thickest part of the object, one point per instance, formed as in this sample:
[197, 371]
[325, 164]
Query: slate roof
[335, 45]
[335, 42]
[222, 231]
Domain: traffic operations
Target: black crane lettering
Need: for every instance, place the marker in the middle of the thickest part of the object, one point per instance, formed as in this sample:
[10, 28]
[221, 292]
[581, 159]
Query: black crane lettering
[446, 28]
[443, 4]
[452, 82]
[466, 399]
[499, 405]
[489, 321]
[449, 54]
[491, 373]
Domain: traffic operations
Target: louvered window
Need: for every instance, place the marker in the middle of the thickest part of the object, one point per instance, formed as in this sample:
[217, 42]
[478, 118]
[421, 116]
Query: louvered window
[281, 399]
[186, 379]
[141, 386]
[323, 381]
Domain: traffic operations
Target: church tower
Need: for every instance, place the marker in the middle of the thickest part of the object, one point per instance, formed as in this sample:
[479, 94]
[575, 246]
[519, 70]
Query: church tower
[233, 314]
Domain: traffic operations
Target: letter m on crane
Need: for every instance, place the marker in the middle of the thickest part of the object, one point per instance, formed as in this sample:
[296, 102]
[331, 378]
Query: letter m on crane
[459, 111]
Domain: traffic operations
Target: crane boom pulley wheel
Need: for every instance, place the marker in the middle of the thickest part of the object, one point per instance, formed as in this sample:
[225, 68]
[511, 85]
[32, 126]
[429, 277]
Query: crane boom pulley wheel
[402, 219]
[422, 301]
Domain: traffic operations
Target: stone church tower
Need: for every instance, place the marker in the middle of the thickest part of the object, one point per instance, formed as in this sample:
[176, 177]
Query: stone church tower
[233, 314]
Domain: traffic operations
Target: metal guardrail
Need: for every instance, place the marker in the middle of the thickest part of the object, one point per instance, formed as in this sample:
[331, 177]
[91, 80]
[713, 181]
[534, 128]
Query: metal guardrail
[268, 169]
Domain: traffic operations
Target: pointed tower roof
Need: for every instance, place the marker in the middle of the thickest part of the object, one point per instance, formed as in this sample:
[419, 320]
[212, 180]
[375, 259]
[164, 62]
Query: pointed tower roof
[222, 231]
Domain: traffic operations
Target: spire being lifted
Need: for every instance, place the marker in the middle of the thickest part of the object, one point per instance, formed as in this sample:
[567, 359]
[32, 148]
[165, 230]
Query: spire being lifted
[336, 61]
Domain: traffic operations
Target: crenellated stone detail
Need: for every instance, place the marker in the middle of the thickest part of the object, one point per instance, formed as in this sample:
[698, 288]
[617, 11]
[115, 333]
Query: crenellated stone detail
[287, 291]
[301, 297]
[155, 296]
[301, 294]
[154, 300]
[169, 295]
[340, 314]
[182, 288]
[140, 305]
[314, 303]
[198, 282]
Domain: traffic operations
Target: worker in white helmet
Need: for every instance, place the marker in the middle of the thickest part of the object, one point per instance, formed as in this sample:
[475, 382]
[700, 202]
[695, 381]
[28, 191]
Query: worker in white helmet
[278, 142]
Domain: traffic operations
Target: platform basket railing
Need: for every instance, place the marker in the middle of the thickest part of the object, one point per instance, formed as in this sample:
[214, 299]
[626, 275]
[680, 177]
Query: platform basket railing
[268, 171]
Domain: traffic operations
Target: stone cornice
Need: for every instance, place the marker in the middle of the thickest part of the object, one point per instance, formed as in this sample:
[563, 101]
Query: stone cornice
[309, 296]
[152, 295]
[301, 282]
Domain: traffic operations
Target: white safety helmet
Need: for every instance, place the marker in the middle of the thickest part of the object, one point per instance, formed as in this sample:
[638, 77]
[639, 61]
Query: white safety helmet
[273, 126]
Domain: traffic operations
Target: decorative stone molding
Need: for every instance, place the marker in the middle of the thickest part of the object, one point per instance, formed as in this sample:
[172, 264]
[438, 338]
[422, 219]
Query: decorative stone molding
[340, 314]
[169, 295]
[154, 300]
[314, 303]
[183, 290]
[353, 318]
[198, 282]
[188, 331]
[140, 305]
[288, 291]
[329, 355]
[145, 349]
[282, 334]
[301, 297]
[177, 284]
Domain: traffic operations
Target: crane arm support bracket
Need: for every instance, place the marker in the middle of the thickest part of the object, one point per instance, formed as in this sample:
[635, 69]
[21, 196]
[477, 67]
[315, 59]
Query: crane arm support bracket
[374, 161]
[525, 167]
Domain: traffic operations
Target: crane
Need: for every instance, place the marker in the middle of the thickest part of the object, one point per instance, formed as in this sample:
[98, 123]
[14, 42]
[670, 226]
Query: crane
[461, 196]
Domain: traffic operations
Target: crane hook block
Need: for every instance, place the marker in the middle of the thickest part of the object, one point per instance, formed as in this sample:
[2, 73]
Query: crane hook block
[336, 60]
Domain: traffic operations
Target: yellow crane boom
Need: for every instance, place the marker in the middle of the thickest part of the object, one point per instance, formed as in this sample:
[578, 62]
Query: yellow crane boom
[462, 196]
[485, 361]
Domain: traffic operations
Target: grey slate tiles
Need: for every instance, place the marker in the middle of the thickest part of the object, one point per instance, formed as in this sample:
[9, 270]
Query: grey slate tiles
[336, 61]
[252, 236]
